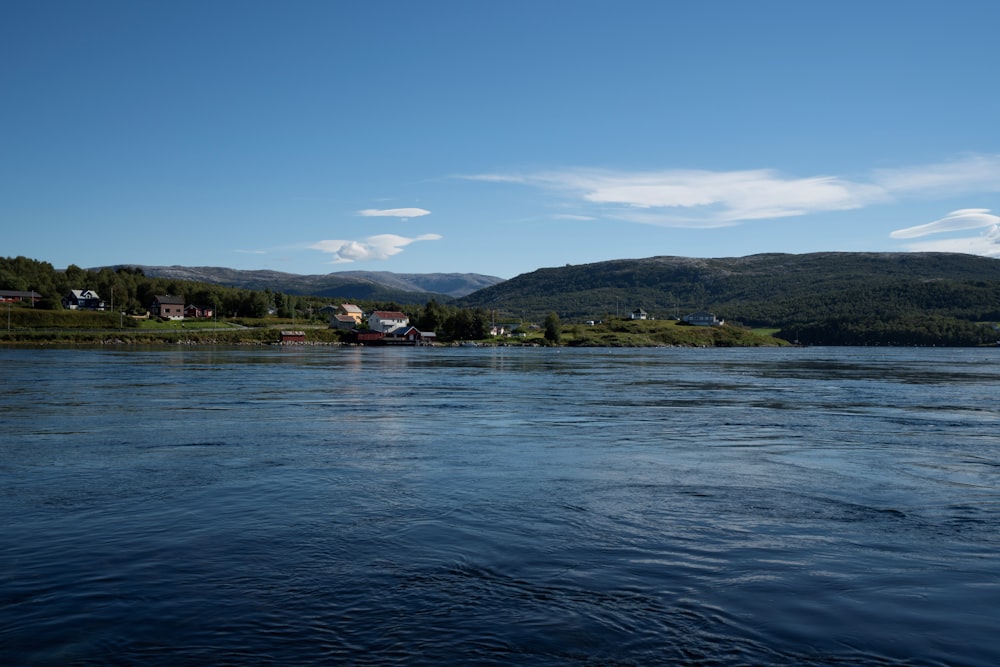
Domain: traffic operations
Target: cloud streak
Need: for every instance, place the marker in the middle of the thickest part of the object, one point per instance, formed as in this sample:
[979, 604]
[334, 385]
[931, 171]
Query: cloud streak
[986, 243]
[696, 198]
[393, 212]
[961, 220]
[705, 199]
[973, 173]
[378, 247]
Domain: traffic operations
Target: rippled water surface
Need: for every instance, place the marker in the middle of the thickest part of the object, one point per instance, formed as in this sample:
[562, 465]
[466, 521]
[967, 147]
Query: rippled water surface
[499, 506]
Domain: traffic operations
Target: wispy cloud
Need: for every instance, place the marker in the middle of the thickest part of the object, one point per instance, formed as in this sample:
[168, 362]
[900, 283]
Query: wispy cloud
[972, 173]
[705, 199]
[378, 247]
[963, 219]
[986, 243]
[696, 198]
[571, 216]
[404, 213]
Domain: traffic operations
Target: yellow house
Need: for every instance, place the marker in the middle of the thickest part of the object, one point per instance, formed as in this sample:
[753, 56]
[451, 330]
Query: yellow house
[352, 311]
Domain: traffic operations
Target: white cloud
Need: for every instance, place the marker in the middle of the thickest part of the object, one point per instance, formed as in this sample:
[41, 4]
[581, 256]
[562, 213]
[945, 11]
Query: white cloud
[972, 173]
[738, 195]
[963, 219]
[571, 216]
[705, 199]
[696, 198]
[987, 243]
[394, 212]
[378, 247]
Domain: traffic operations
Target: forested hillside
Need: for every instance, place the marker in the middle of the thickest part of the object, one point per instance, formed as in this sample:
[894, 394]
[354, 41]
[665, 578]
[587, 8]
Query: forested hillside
[819, 297]
[130, 290]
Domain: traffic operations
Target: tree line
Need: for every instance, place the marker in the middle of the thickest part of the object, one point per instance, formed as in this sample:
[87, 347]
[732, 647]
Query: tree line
[128, 290]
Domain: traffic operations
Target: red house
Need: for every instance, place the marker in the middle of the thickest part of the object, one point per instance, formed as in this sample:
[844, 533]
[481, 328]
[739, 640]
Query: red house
[16, 296]
[198, 311]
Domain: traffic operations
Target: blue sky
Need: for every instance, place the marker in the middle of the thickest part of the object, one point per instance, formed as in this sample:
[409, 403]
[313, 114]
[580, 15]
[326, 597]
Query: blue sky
[493, 137]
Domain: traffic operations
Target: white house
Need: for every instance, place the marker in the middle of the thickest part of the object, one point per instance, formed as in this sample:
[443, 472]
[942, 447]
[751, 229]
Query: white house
[703, 319]
[82, 299]
[639, 314]
[387, 320]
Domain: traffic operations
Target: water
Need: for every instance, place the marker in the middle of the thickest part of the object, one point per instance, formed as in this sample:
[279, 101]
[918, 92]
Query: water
[281, 506]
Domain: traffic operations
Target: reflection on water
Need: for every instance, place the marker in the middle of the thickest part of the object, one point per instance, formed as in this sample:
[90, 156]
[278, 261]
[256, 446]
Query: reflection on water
[508, 506]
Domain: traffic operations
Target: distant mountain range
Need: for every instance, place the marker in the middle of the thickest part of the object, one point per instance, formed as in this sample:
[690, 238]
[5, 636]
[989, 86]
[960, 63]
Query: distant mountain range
[360, 285]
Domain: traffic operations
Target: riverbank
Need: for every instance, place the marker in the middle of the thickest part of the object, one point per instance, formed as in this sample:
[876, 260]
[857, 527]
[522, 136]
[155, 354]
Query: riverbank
[616, 334]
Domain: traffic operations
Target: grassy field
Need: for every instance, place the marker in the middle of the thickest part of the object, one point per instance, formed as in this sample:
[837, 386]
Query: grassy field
[42, 327]
[638, 333]
[76, 327]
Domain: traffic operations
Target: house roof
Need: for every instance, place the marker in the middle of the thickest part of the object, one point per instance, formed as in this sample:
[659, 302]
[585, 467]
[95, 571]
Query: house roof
[389, 315]
[408, 329]
[84, 294]
[351, 308]
[167, 298]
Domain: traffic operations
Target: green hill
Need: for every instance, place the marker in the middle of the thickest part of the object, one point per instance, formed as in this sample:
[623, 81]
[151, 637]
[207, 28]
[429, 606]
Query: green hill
[820, 296]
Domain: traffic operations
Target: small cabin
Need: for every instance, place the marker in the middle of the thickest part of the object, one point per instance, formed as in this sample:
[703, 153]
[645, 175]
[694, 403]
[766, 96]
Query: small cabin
[195, 312]
[292, 337]
[409, 335]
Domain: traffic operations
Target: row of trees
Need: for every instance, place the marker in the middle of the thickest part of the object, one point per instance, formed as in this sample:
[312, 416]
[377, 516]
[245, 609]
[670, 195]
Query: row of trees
[130, 291]
[450, 322]
[903, 330]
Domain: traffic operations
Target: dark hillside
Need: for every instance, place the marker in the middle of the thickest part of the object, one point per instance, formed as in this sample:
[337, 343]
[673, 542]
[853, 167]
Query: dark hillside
[776, 290]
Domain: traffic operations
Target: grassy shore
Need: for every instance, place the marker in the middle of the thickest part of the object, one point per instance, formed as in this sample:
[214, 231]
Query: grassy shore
[650, 333]
[76, 328]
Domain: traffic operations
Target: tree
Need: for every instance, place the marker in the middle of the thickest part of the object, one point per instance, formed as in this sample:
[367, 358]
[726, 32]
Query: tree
[553, 332]
[432, 317]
